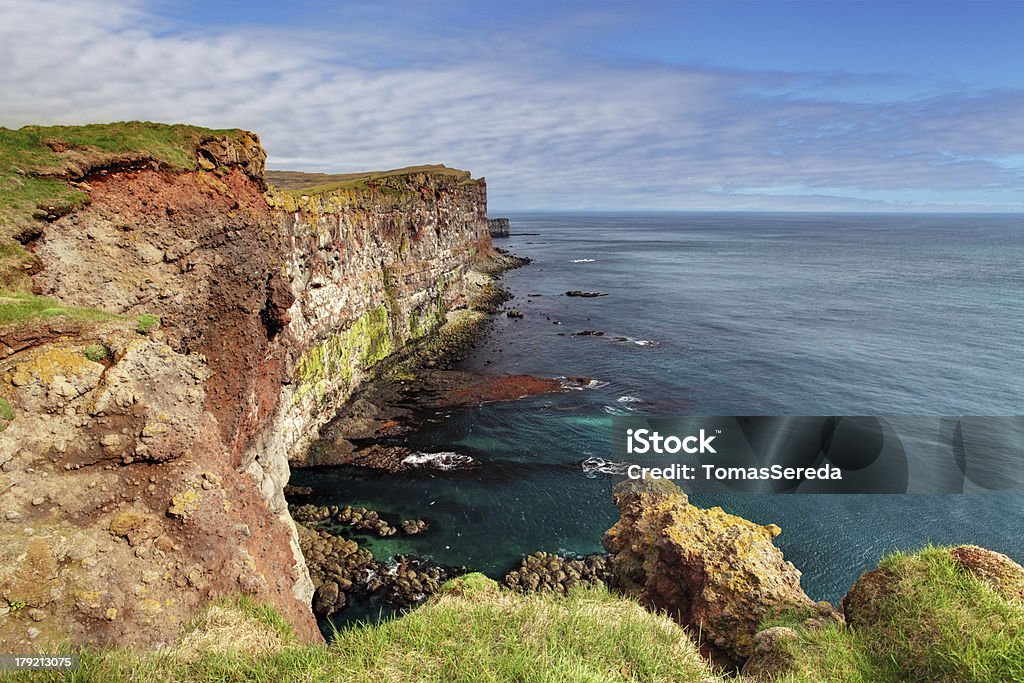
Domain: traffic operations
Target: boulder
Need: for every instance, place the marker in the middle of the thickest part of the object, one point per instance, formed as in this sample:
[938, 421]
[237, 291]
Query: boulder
[773, 653]
[718, 574]
[993, 569]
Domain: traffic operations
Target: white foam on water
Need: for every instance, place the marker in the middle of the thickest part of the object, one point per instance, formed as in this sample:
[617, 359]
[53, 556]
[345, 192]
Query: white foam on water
[444, 460]
[573, 385]
[582, 260]
[595, 466]
[629, 399]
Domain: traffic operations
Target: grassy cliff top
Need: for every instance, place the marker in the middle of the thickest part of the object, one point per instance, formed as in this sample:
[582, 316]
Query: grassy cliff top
[37, 161]
[473, 631]
[296, 182]
[40, 167]
[933, 622]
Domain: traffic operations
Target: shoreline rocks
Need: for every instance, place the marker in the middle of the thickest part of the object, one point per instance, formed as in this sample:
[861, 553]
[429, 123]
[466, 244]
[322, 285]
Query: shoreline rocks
[341, 569]
[543, 571]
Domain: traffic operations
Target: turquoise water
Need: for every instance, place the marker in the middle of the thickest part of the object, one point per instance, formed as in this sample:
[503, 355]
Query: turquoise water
[724, 314]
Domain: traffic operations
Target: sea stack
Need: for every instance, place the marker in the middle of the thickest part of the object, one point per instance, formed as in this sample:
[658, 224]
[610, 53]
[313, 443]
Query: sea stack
[498, 226]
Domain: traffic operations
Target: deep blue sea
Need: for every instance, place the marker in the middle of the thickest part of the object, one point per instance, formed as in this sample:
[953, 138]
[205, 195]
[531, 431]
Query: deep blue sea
[724, 314]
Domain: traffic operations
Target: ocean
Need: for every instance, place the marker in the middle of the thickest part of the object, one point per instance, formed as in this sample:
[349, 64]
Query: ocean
[722, 314]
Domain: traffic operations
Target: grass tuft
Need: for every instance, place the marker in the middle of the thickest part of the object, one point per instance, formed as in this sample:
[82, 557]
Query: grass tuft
[6, 410]
[18, 308]
[147, 323]
[95, 352]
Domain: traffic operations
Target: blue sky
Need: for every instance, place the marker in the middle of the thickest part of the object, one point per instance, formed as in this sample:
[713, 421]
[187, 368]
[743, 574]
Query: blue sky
[859, 106]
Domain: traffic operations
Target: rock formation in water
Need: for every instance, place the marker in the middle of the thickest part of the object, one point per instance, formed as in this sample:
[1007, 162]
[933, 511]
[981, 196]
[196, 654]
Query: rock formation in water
[172, 330]
[718, 574]
[498, 227]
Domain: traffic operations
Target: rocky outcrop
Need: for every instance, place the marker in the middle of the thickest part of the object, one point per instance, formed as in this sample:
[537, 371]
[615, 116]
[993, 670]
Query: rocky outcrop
[222, 324]
[341, 569]
[995, 570]
[498, 227]
[718, 574]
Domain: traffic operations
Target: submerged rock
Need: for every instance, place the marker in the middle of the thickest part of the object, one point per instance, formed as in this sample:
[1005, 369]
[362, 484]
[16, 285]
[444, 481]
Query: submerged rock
[412, 527]
[716, 573]
[339, 567]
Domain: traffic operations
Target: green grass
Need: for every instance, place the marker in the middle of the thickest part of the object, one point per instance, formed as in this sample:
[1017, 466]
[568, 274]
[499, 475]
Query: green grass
[147, 323]
[473, 632]
[939, 624]
[173, 146]
[95, 352]
[19, 308]
[296, 183]
[6, 410]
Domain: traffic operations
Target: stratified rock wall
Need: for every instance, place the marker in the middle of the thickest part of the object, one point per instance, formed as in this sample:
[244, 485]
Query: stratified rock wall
[142, 469]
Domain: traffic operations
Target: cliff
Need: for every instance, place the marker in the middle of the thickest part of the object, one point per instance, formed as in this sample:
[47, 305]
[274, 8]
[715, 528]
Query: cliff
[172, 330]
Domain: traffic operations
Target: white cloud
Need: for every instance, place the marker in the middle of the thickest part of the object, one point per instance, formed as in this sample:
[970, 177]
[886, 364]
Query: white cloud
[548, 128]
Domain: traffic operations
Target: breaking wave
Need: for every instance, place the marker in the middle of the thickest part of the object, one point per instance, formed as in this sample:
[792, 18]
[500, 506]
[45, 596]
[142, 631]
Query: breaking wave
[444, 460]
[595, 466]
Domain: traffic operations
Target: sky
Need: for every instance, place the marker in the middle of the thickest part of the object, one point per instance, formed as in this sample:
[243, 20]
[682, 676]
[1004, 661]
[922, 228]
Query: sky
[816, 106]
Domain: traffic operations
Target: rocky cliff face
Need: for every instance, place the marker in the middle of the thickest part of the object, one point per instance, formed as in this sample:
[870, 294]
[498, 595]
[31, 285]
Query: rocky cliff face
[143, 467]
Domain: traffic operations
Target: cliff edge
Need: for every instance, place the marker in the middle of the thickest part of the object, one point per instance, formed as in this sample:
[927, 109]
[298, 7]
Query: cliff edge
[172, 331]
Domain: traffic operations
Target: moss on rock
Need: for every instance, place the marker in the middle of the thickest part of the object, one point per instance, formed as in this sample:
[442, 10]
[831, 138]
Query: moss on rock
[331, 363]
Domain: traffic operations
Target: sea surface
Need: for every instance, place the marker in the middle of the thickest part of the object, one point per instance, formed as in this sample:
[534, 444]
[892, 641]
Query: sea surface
[722, 314]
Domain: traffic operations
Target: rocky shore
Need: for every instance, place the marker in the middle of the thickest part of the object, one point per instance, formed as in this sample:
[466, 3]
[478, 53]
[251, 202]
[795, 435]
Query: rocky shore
[341, 570]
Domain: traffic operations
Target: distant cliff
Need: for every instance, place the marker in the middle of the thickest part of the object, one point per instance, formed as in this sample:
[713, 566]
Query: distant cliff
[172, 330]
[498, 227]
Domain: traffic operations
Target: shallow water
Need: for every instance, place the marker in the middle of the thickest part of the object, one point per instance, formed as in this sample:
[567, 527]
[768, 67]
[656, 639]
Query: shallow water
[723, 314]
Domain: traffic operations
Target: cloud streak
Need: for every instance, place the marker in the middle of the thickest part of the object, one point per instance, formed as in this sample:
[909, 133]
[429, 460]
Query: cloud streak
[549, 128]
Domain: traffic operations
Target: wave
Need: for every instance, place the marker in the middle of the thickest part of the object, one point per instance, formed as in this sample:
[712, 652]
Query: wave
[444, 460]
[649, 343]
[582, 260]
[573, 385]
[594, 466]
[629, 399]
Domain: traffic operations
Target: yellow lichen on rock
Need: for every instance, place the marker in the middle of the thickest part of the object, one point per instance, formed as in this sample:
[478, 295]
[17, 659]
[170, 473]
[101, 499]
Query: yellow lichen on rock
[135, 526]
[184, 505]
[50, 363]
[712, 571]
